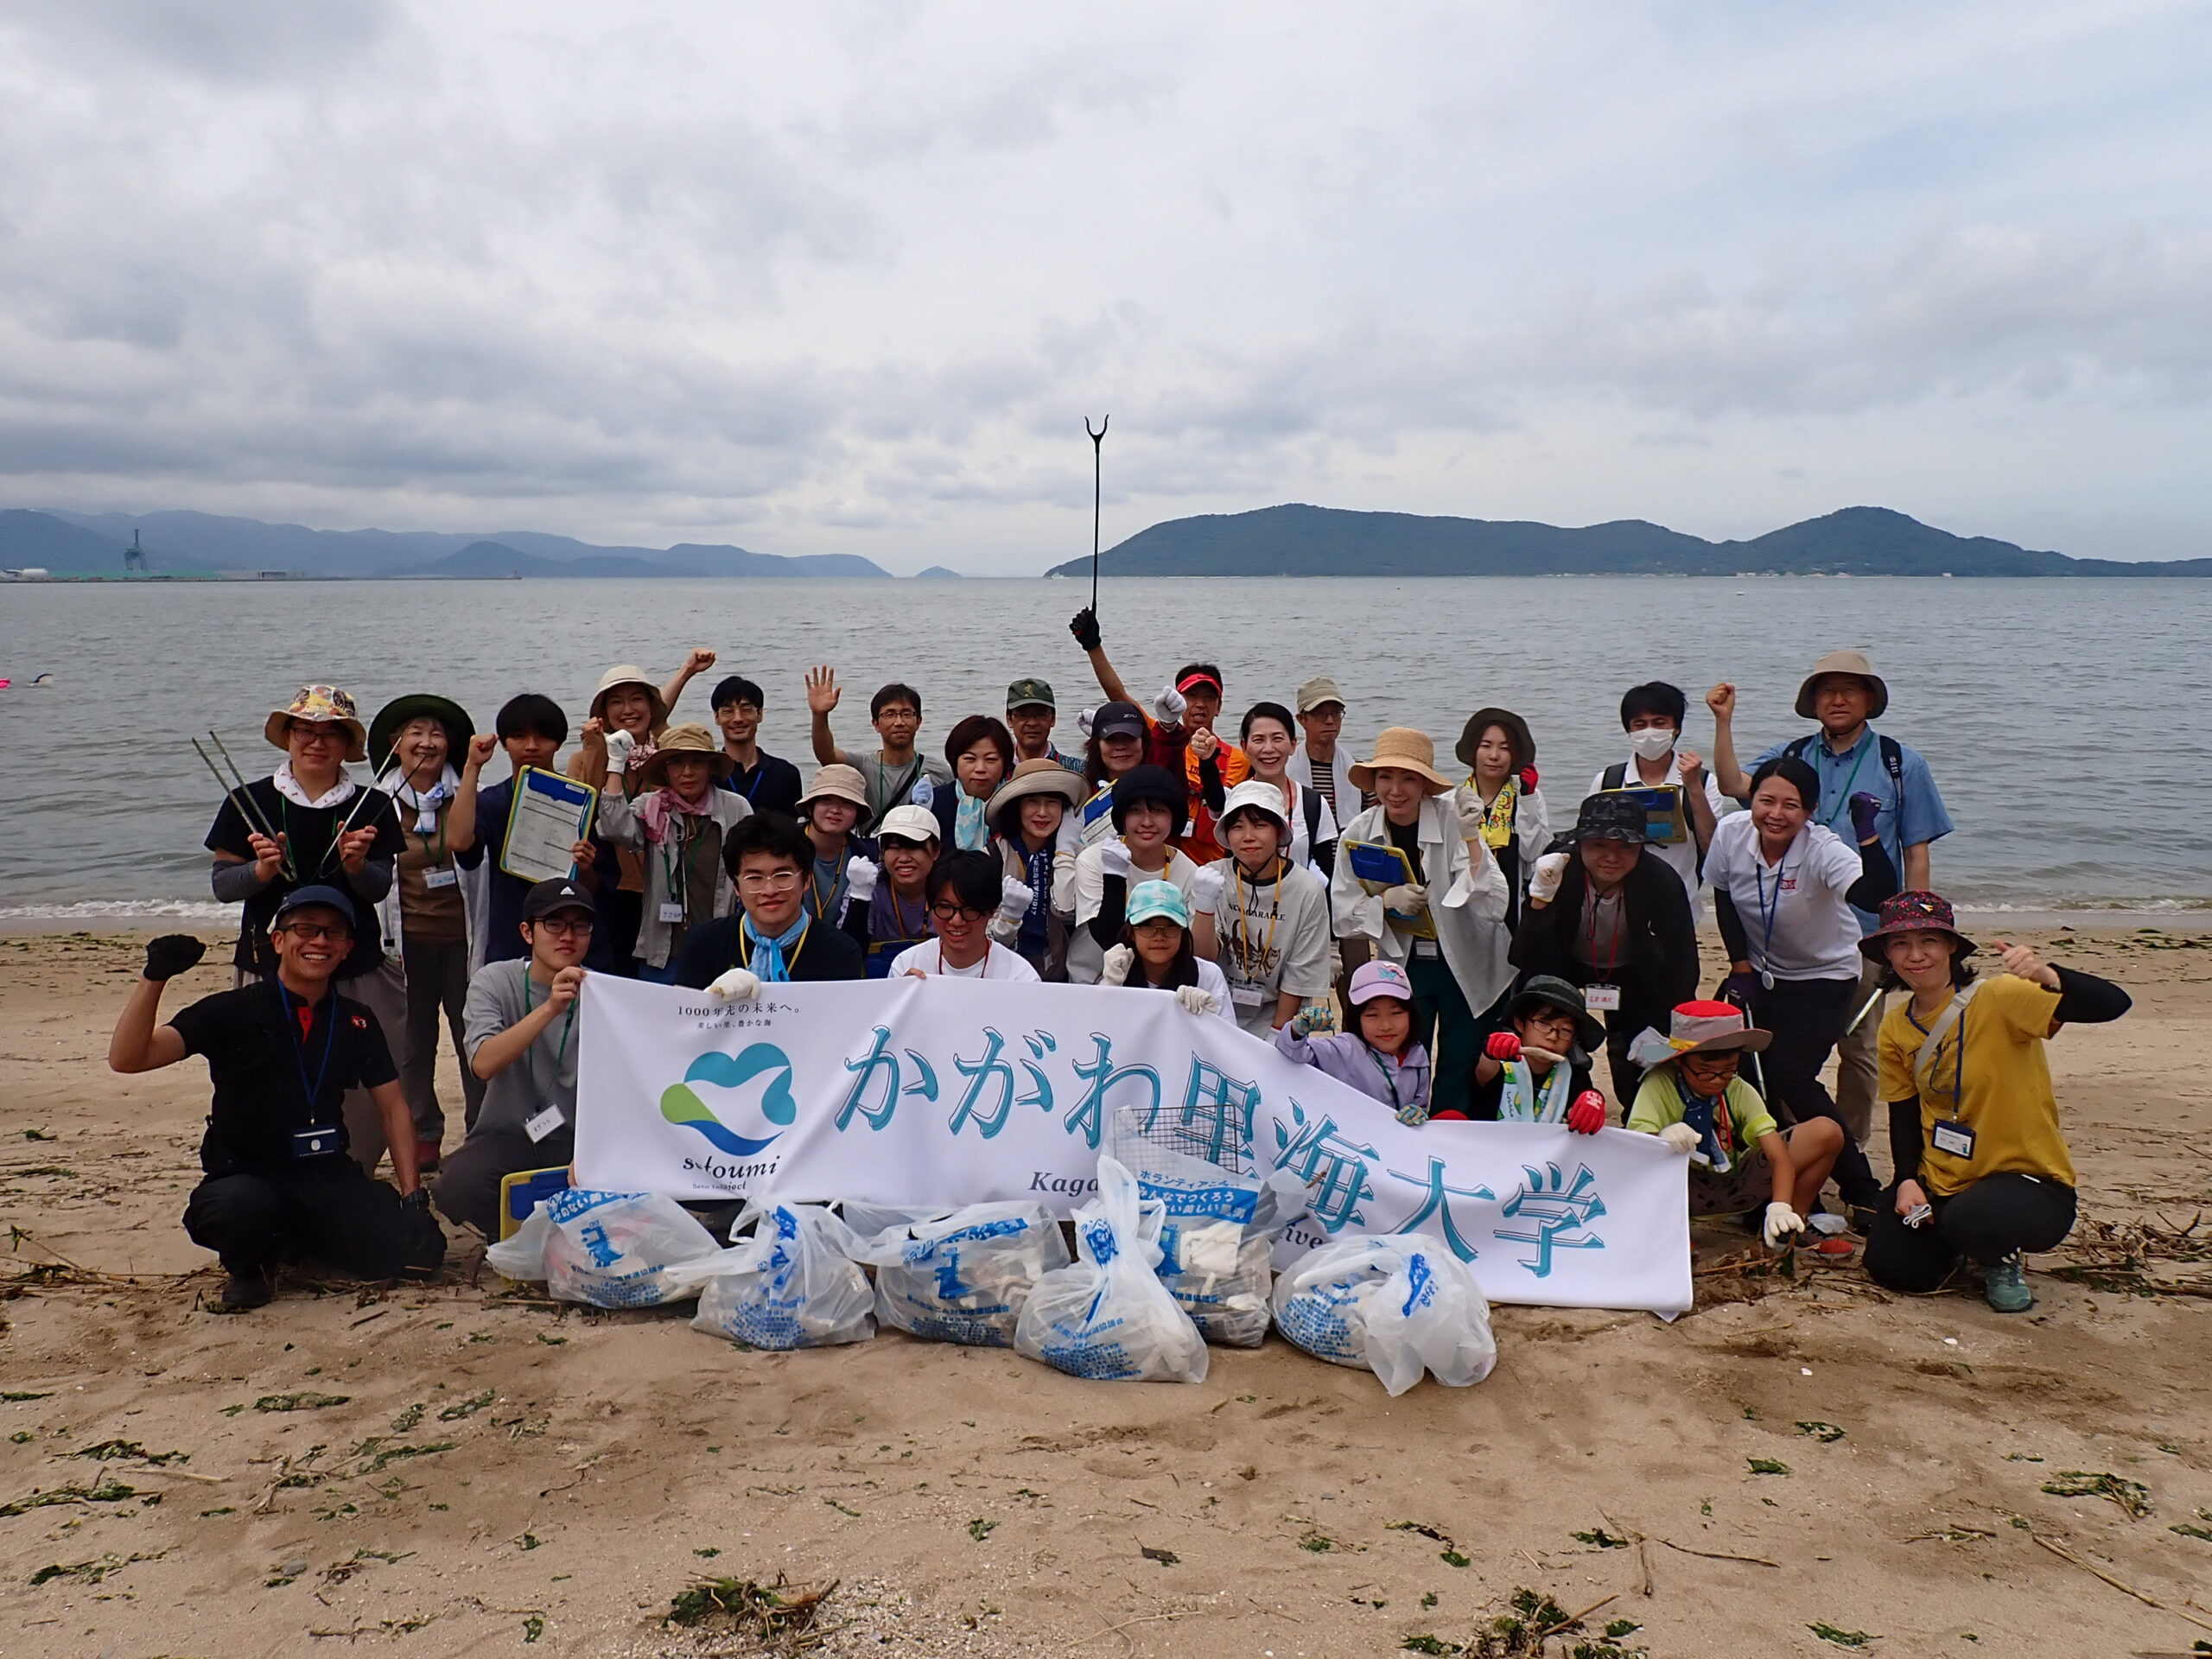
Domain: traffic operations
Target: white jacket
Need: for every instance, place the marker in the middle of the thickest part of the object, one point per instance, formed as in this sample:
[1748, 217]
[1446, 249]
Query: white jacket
[1469, 919]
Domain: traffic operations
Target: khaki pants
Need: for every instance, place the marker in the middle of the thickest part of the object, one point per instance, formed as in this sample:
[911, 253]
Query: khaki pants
[1855, 1059]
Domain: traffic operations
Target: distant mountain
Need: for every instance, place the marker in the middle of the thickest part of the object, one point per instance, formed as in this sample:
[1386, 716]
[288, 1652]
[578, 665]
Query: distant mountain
[78, 543]
[938, 573]
[1305, 541]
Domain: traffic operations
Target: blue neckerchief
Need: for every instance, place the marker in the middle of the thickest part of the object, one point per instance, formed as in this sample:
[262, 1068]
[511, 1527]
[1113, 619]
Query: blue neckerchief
[969, 833]
[767, 958]
[1699, 1112]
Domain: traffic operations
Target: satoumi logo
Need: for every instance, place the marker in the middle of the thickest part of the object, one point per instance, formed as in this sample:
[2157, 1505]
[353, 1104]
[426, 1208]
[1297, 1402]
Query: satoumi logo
[684, 1106]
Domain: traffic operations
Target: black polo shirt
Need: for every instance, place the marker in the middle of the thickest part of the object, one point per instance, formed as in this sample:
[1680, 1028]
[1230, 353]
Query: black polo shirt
[263, 1067]
[311, 835]
[770, 784]
[711, 950]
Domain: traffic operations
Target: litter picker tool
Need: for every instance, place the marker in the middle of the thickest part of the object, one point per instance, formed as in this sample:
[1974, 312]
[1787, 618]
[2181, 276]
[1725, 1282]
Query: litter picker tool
[1097, 477]
[1865, 1008]
[234, 788]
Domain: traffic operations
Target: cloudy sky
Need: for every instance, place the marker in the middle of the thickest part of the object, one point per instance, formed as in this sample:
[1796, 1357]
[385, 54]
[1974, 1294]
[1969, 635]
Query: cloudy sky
[847, 277]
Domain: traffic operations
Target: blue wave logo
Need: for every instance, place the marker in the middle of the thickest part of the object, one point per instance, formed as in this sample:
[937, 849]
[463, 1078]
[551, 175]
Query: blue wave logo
[681, 1104]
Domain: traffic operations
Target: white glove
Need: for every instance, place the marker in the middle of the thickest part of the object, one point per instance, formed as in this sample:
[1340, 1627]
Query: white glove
[737, 985]
[1114, 858]
[860, 877]
[1544, 880]
[618, 745]
[1781, 1223]
[1195, 1001]
[1680, 1137]
[1407, 898]
[1014, 899]
[923, 792]
[1206, 889]
[1083, 723]
[1467, 804]
[1170, 705]
[1115, 970]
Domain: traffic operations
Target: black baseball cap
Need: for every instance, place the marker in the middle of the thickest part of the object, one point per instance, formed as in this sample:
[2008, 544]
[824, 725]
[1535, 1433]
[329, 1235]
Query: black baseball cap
[559, 893]
[1118, 719]
[302, 898]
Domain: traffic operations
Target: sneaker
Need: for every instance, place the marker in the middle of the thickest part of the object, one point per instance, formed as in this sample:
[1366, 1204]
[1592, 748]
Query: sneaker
[426, 1156]
[244, 1291]
[2005, 1282]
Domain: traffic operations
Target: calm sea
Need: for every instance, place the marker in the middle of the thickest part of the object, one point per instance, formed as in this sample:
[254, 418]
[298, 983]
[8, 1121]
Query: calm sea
[2067, 722]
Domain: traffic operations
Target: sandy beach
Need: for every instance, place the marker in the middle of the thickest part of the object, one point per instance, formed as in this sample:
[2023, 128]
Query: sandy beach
[463, 1468]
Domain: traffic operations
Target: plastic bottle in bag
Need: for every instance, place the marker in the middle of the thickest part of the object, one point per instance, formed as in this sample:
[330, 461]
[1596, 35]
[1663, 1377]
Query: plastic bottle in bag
[1108, 1316]
[1395, 1303]
[963, 1276]
[795, 1283]
[610, 1249]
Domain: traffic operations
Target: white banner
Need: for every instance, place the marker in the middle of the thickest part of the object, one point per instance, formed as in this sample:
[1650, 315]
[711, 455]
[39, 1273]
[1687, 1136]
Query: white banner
[945, 1092]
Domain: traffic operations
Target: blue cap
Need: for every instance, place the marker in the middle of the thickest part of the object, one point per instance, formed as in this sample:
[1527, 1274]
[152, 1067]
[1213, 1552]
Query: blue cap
[301, 898]
[1148, 899]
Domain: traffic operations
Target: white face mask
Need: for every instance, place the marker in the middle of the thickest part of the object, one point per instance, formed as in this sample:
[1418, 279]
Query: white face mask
[1652, 742]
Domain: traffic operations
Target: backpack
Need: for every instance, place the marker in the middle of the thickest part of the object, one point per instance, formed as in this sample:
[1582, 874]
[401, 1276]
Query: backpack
[1893, 762]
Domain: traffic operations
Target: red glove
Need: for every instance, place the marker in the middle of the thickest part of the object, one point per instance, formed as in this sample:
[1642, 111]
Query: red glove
[1527, 779]
[1587, 1114]
[1449, 1117]
[1503, 1045]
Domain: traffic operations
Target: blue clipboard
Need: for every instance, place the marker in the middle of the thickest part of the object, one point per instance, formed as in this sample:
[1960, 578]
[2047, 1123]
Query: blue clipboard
[1666, 820]
[538, 791]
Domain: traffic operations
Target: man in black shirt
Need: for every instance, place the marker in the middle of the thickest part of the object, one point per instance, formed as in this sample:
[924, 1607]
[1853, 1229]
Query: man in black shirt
[769, 783]
[772, 939]
[281, 1053]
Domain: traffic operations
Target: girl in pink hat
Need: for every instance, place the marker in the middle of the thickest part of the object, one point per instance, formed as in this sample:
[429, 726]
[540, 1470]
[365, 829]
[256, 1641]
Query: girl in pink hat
[1379, 1056]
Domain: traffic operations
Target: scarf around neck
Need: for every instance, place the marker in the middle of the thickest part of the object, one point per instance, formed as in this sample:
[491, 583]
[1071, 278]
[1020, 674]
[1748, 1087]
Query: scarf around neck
[969, 833]
[1518, 1102]
[1708, 1116]
[768, 960]
[289, 788]
[661, 808]
[426, 802]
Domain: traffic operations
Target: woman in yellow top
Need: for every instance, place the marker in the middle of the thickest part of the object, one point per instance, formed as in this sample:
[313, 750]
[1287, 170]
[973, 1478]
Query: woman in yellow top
[1982, 1167]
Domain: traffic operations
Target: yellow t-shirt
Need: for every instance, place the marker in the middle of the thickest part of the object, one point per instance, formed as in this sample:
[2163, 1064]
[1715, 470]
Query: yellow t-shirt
[1744, 1124]
[2000, 1089]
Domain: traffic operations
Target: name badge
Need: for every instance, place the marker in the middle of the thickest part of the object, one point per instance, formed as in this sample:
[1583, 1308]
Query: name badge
[544, 1123]
[1602, 999]
[319, 1142]
[1246, 997]
[1955, 1138]
[1425, 949]
[671, 912]
[435, 879]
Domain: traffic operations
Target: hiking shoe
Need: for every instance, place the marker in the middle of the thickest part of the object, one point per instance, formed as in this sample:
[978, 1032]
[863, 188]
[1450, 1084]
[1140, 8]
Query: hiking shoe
[244, 1291]
[426, 1155]
[2005, 1282]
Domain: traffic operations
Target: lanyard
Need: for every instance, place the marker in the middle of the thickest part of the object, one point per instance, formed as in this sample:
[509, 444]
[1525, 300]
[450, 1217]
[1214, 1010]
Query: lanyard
[1958, 1059]
[284, 818]
[899, 921]
[1768, 912]
[817, 900]
[314, 1092]
[760, 771]
[529, 1054]
[1389, 1081]
[1843, 796]
[1241, 944]
[435, 860]
[674, 850]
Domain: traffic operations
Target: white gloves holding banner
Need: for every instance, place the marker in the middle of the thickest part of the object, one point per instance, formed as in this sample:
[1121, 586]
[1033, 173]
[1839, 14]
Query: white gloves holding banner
[1115, 969]
[1680, 1137]
[1782, 1222]
[1206, 889]
[1544, 880]
[737, 985]
[1195, 1001]
[860, 877]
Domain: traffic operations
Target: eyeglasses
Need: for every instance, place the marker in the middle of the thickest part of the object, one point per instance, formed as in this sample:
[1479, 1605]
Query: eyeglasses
[569, 928]
[317, 732]
[945, 912]
[769, 881]
[337, 933]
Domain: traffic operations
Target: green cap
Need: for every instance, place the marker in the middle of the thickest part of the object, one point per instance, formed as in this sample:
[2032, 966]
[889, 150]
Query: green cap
[1030, 693]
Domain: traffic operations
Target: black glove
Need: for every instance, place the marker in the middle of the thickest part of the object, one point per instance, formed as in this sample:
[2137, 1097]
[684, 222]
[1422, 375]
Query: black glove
[1085, 629]
[171, 955]
[1739, 988]
[417, 1201]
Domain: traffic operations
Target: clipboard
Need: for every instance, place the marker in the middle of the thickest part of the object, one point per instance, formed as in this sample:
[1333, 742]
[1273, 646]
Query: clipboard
[549, 815]
[1666, 820]
[1377, 865]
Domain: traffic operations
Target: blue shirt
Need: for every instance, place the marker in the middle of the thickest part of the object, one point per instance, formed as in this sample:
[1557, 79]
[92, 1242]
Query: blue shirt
[1910, 815]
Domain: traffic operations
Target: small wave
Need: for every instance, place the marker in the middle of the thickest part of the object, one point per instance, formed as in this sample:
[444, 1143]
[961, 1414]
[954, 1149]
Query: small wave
[122, 910]
[2082, 904]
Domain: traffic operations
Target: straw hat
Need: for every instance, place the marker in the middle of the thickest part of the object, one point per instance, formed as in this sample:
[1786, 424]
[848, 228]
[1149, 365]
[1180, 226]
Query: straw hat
[1407, 750]
[384, 730]
[836, 783]
[628, 674]
[693, 741]
[1845, 662]
[1043, 776]
[321, 704]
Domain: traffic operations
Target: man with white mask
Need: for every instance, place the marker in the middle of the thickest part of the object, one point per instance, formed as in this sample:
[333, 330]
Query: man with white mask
[1652, 716]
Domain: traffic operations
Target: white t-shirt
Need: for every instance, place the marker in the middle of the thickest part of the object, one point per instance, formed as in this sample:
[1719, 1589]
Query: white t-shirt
[1091, 879]
[1794, 913]
[1210, 979]
[997, 962]
[1272, 938]
[1682, 858]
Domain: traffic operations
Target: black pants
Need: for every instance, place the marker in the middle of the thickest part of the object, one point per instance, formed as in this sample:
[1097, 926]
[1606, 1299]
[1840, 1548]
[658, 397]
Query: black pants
[437, 985]
[1989, 1220]
[1807, 1016]
[620, 915]
[336, 1217]
[467, 1185]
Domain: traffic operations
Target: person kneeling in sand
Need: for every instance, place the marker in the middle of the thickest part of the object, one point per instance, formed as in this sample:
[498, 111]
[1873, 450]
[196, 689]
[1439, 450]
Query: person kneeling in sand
[1693, 1099]
[519, 1034]
[1379, 1056]
[1983, 1169]
[281, 1053]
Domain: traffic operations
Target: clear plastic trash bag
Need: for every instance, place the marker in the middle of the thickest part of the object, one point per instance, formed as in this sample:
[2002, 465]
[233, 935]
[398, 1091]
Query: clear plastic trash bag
[611, 1250]
[1108, 1316]
[1397, 1303]
[795, 1283]
[960, 1276]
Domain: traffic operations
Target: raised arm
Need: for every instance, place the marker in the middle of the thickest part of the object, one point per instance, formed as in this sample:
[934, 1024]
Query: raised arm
[822, 692]
[700, 660]
[461, 822]
[1733, 781]
[1085, 629]
[494, 1053]
[138, 1044]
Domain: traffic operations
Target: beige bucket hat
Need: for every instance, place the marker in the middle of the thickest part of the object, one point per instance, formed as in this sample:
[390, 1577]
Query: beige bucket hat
[839, 783]
[683, 740]
[1843, 662]
[628, 674]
